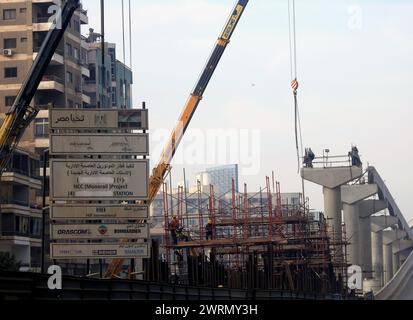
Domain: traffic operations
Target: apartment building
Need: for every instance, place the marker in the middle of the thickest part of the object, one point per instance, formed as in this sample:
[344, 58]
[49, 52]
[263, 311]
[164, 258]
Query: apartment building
[21, 216]
[23, 27]
[111, 86]
[69, 82]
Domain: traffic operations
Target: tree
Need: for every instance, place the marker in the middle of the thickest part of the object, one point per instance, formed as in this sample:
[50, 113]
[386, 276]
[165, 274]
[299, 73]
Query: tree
[8, 262]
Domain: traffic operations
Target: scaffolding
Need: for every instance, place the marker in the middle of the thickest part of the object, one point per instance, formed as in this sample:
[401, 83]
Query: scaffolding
[257, 241]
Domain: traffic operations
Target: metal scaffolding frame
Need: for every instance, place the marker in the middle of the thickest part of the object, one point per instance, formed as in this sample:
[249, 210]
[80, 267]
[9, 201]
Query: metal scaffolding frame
[258, 242]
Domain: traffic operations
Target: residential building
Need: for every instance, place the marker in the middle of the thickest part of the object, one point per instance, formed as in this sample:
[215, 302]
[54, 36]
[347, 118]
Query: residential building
[23, 28]
[69, 82]
[111, 86]
[21, 215]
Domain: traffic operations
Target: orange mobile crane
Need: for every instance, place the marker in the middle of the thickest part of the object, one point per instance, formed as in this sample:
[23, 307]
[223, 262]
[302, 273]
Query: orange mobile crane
[188, 112]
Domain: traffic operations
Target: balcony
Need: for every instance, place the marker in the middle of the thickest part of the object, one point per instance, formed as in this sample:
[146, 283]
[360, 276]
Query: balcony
[57, 59]
[52, 83]
[86, 99]
[41, 23]
[84, 19]
[56, 2]
[85, 71]
[19, 178]
[19, 207]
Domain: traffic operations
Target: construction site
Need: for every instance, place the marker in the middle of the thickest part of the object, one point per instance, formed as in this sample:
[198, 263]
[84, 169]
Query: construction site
[239, 240]
[81, 200]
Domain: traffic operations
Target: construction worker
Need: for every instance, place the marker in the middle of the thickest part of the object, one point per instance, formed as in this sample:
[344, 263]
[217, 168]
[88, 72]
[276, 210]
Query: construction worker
[355, 157]
[173, 227]
[180, 234]
[209, 228]
[309, 158]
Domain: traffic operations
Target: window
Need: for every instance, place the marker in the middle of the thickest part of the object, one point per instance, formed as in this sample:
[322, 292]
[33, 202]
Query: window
[9, 100]
[76, 53]
[41, 128]
[35, 227]
[23, 10]
[10, 43]
[22, 225]
[77, 26]
[9, 14]
[70, 104]
[69, 49]
[23, 40]
[69, 77]
[10, 72]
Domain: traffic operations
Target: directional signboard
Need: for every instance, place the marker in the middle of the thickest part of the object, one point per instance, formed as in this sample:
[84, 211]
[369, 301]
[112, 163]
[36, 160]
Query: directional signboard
[99, 251]
[98, 119]
[99, 180]
[98, 212]
[99, 231]
[99, 144]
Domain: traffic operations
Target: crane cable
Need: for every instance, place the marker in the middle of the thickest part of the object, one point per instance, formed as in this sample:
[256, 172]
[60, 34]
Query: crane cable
[294, 76]
[124, 55]
[295, 85]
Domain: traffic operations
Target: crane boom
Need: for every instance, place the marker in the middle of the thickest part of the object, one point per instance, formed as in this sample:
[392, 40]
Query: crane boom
[195, 98]
[21, 113]
[158, 175]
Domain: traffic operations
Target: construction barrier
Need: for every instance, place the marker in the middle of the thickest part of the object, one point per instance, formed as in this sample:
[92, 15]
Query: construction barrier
[32, 286]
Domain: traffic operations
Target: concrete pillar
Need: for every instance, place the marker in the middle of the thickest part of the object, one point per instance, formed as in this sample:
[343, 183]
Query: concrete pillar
[396, 261]
[352, 222]
[366, 247]
[378, 224]
[388, 262]
[377, 256]
[404, 255]
[332, 208]
[366, 209]
[331, 179]
[359, 251]
[402, 248]
[391, 261]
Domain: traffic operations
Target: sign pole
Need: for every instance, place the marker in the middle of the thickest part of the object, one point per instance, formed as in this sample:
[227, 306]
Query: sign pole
[45, 159]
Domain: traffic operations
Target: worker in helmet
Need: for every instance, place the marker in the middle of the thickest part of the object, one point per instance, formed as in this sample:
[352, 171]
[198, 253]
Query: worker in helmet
[355, 157]
[173, 227]
[309, 158]
[209, 229]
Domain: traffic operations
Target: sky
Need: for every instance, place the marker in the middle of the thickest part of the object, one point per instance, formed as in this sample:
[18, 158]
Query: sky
[355, 63]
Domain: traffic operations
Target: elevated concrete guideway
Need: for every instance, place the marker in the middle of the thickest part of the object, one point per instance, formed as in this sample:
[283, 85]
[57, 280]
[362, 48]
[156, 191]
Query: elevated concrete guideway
[379, 243]
[385, 195]
[331, 179]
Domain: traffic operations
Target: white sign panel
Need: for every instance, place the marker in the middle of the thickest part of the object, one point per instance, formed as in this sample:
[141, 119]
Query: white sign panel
[99, 231]
[98, 212]
[99, 251]
[98, 119]
[99, 144]
[99, 180]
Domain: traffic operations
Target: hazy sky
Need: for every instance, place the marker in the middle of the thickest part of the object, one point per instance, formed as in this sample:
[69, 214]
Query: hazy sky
[355, 69]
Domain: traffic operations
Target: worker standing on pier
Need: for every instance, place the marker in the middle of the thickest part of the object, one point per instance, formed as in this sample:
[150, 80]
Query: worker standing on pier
[173, 227]
[309, 158]
[355, 157]
[209, 228]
